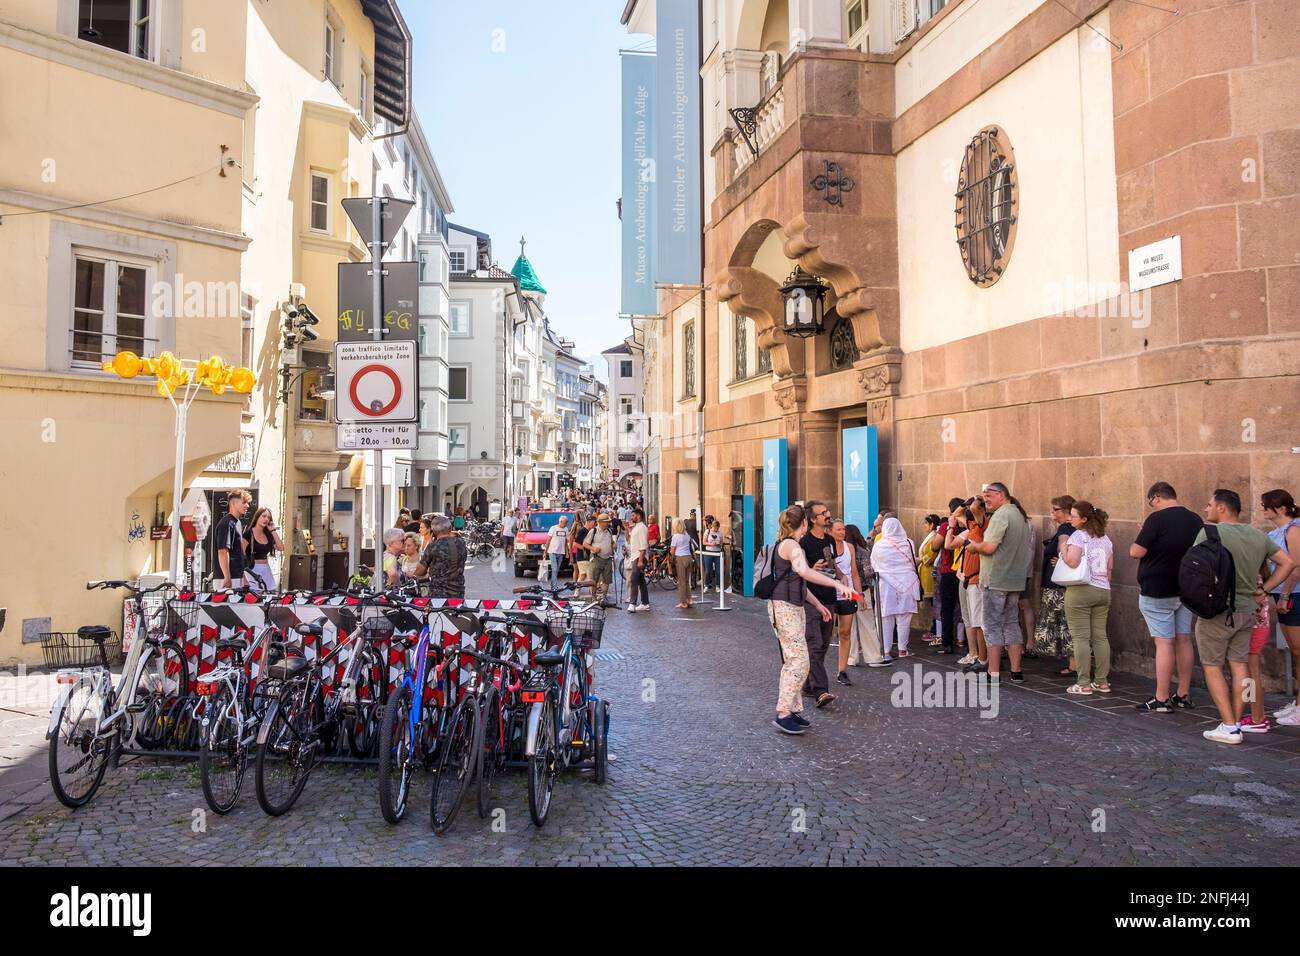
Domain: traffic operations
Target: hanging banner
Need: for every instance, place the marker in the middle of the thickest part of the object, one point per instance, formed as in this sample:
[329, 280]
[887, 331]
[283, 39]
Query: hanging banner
[638, 209]
[860, 476]
[776, 485]
[677, 142]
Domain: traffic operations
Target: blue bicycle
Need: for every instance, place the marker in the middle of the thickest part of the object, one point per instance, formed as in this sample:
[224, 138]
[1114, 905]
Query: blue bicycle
[409, 728]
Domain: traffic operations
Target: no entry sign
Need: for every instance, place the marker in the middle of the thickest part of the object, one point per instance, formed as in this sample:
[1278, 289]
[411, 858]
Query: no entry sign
[376, 382]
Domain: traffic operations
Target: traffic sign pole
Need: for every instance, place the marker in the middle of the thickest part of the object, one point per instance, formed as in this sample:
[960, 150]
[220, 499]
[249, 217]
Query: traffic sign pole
[377, 311]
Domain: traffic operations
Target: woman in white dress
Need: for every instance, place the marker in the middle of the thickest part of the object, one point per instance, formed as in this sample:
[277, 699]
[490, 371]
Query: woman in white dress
[893, 558]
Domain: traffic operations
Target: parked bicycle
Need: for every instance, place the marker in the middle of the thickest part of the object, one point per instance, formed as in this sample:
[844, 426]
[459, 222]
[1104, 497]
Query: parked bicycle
[305, 723]
[232, 715]
[92, 721]
[567, 724]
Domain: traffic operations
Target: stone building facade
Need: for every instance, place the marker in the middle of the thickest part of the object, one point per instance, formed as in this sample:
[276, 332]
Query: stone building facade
[1115, 126]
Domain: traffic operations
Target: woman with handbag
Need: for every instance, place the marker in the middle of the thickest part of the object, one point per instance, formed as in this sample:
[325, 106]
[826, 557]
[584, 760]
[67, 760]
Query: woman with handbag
[927, 554]
[893, 558]
[784, 590]
[1085, 569]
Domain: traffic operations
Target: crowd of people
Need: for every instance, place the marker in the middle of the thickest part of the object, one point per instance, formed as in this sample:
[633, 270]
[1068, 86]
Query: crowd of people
[978, 565]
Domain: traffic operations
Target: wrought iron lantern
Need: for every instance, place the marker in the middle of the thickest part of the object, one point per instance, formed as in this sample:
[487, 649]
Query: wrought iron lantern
[805, 303]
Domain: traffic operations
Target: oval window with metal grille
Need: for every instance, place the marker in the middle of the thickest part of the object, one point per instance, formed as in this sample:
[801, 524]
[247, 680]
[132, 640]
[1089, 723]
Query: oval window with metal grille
[987, 206]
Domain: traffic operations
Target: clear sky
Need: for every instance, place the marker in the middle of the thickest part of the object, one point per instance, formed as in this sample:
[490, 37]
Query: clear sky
[520, 103]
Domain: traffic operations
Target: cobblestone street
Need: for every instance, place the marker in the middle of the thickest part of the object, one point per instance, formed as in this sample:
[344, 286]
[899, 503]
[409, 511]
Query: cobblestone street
[703, 778]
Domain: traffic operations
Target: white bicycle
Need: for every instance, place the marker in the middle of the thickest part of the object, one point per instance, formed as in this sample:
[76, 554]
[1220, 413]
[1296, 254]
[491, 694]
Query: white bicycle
[91, 722]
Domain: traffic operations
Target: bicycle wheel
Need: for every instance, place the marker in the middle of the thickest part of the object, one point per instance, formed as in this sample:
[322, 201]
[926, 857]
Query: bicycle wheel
[395, 754]
[666, 580]
[363, 727]
[284, 761]
[456, 765]
[223, 758]
[158, 696]
[541, 766]
[492, 752]
[78, 758]
[484, 551]
[599, 740]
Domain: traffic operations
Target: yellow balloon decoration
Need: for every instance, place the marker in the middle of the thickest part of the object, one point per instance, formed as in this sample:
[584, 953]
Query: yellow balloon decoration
[242, 380]
[172, 375]
[125, 364]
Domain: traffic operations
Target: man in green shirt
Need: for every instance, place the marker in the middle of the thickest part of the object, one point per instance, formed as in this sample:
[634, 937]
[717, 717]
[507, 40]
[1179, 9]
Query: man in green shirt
[1002, 578]
[1227, 636]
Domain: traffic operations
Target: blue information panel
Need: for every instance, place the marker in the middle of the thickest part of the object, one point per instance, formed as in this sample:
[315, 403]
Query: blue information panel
[677, 141]
[860, 477]
[776, 485]
[639, 297]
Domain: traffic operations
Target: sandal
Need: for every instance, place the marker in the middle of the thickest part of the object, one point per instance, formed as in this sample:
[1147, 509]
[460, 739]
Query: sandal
[1079, 691]
[1064, 672]
[906, 654]
[1101, 688]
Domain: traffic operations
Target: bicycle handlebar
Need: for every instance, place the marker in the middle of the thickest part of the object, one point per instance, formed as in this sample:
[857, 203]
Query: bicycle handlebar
[127, 585]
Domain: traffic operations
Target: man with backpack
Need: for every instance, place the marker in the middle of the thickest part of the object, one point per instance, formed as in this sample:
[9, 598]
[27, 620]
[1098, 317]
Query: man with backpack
[1219, 582]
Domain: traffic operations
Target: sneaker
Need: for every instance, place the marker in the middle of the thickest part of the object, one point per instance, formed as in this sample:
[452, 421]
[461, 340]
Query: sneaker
[1156, 706]
[825, 700]
[843, 678]
[1223, 735]
[883, 662]
[968, 659]
[788, 725]
[798, 719]
[1289, 708]
[1248, 725]
[995, 679]
[643, 607]
[1017, 677]
[1181, 703]
[1290, 720]
[976, 666]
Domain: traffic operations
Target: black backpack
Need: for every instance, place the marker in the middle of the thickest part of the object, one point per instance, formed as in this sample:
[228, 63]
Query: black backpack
[1207, 577]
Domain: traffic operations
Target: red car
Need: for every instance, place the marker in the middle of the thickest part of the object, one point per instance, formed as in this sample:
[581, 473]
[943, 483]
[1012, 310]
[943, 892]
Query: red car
[530, 539]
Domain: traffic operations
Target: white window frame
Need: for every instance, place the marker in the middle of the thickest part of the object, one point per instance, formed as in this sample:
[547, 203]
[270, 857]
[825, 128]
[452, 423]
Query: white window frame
[451, 446]
[332, 48]
[469, 391]
[468, 331]
[857, 38]
[112, 263]
[626, 364]
[311, 200]
[451, 260]
[140, 10]
[366, 85]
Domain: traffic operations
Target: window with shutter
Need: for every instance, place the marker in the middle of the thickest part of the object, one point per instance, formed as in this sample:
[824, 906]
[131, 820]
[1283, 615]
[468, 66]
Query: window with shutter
[905, 19]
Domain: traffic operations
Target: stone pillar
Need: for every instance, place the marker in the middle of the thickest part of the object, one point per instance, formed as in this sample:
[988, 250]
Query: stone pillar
[819, 459]
[816, 23]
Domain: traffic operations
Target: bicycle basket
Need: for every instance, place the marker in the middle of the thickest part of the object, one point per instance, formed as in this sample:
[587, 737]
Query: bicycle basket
[66, 649]
[587, 626]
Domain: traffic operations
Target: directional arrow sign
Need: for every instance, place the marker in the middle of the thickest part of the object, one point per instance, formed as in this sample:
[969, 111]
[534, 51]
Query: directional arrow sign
[391, 216]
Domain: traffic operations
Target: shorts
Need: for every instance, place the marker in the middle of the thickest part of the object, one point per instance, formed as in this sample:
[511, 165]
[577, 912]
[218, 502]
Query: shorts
[584, 568]
[601, 569]
[1216, 641]
[1165, 617]
[972, 605]
[845, 608]
[1292, 617]
[1001, 614]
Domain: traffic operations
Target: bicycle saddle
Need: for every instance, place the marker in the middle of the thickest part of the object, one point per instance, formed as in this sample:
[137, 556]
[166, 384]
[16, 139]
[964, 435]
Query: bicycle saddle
[287, 669]
[232, 643]
[552, 658]
[95, 632]
[311, 629]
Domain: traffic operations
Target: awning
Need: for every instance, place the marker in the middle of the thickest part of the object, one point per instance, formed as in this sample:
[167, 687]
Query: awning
[392, 93]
